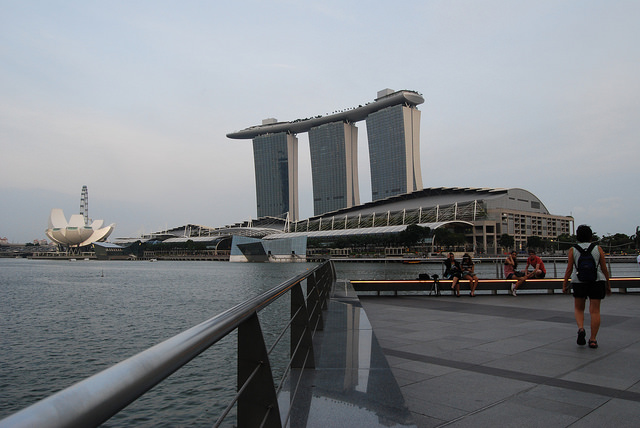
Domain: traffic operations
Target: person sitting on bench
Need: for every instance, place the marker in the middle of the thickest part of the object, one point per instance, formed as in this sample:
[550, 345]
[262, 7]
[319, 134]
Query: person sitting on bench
[454, 272]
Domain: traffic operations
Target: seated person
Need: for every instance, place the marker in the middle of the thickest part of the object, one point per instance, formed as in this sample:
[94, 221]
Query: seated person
[534, 261]
[467, 267]
[511, 271]
[454, 272]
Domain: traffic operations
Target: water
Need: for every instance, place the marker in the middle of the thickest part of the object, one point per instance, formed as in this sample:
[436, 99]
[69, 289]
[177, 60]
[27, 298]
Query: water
[61, 322]
[64, 321]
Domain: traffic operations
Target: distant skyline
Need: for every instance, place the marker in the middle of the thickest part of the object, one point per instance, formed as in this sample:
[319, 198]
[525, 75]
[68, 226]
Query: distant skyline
[135, 100]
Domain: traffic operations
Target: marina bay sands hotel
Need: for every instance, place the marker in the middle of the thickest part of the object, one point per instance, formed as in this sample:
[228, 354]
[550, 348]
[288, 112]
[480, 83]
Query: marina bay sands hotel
[393, 130]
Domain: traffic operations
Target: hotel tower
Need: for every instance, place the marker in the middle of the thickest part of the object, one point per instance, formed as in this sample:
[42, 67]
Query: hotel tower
[393, 130]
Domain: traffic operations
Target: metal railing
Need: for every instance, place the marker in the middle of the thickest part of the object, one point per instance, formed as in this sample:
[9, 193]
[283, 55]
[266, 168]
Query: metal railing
[94, 400]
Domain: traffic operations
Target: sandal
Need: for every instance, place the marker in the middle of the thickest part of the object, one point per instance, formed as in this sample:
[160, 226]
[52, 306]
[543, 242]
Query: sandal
[581, 337]
[593, 344]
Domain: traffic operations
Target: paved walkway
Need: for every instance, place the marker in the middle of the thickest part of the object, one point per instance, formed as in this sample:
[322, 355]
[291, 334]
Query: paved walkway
[510, 361]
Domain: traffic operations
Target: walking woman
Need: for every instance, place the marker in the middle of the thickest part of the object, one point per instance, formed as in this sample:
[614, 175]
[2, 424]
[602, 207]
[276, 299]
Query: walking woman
[590, 279]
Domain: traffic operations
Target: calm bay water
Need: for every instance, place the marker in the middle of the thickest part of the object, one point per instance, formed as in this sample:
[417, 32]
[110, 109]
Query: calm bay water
[61, 322]
[64, 321]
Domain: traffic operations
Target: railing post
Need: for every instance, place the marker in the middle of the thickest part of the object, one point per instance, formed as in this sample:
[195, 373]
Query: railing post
[259, 402]
[315, 300]
[301, 340]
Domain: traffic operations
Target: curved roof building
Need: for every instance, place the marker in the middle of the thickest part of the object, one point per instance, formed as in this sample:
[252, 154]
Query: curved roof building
[491, 212]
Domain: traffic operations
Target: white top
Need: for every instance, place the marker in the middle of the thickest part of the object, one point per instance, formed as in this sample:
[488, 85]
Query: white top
[596, 256]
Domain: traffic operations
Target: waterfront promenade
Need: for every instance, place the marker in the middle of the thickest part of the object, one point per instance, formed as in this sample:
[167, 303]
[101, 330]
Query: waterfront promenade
[498, 360]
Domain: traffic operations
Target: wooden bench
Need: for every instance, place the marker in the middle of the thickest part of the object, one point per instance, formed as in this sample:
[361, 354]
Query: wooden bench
[550, 285]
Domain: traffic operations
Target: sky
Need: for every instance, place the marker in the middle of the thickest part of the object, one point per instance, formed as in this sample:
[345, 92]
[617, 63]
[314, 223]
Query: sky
[134, 100]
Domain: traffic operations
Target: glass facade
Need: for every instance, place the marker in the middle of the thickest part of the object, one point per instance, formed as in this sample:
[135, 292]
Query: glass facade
[394, 142]
[262, 250]
[276, 168]
[334, 166]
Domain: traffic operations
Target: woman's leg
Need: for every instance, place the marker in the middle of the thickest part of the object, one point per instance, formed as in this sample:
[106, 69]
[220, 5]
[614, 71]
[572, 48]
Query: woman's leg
[474, 284]
[470, 279]
[594, 311]
[578, 310]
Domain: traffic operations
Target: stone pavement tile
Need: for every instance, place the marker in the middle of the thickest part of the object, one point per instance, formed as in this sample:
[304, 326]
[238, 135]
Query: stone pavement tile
[431, 329]
[422, 406]
[408, 377]
[615, 413]
[464, 390]
[444, 351]
[537, 362]
[396, 342]
[620, 338]
[566, 396]
[423, 421]
[569, 348]
[611, 378]
[394, 361]
[414, 337]
[515, 361]
[510, 414]
[454, 343]
[419, 367]
[509, 346]
[498, 329]
[549, 404]
[635, 387]
[610, 369]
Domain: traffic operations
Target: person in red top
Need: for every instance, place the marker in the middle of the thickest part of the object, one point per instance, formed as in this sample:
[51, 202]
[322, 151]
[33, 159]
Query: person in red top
[534, 261]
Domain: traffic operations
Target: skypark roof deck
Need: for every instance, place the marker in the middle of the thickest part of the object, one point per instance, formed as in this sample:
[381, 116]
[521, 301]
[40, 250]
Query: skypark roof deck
[356, 114]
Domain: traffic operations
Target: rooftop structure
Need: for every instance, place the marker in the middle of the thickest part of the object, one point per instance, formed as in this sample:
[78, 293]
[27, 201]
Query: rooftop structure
[393, 124]
[385, 99]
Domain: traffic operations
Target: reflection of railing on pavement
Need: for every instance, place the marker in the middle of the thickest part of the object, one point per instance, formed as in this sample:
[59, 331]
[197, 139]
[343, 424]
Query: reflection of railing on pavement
[96, 399]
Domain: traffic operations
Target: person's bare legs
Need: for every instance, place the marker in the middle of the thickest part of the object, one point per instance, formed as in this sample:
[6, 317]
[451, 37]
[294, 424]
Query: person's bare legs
[578, 310]
[471, 283]
[594, 311]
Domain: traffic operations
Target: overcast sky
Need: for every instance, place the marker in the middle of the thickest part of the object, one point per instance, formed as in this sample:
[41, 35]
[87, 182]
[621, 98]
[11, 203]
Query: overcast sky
[134, 99]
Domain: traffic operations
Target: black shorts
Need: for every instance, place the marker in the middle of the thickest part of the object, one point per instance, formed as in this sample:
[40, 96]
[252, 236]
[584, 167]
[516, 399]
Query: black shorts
[540, 275]
[592, 290]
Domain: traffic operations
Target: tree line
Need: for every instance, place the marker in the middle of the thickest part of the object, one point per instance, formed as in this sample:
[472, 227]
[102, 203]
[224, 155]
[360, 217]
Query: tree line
[618, 243]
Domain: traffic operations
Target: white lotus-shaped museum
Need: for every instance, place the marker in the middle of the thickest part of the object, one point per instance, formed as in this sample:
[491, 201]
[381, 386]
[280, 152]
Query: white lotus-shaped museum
[76, 233]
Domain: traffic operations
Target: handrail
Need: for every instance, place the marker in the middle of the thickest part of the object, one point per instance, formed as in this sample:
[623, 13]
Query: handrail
[94, 400]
